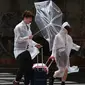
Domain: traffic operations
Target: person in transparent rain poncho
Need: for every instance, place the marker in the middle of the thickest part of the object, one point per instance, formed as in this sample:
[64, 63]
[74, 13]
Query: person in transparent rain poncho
[25, 49]
[62, 46]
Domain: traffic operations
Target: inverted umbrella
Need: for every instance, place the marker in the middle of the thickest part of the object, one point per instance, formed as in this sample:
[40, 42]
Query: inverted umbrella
[49, 20]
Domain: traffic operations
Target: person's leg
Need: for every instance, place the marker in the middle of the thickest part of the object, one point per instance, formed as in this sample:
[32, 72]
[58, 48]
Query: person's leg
[64, 77]
[27, 77]
[27, 68]
[20, 69]
[52, 69]
[19, 75]
[51, 80]
[51, 73]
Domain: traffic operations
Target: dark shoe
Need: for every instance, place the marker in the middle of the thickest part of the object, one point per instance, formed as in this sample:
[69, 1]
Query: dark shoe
[62, 83]
[15, 82]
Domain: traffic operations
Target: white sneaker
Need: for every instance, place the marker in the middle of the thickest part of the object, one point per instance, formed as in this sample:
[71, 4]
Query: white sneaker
[73, 69]
[58, 73]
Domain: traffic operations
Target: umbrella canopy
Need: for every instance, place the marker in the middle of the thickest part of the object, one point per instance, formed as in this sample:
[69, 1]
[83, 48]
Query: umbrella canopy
[49, 20]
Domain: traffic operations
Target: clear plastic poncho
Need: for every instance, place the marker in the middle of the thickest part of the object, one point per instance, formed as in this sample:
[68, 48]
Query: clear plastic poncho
[49, 20]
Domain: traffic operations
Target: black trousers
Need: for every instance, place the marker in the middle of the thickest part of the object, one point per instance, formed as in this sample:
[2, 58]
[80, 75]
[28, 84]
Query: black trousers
[25, 67]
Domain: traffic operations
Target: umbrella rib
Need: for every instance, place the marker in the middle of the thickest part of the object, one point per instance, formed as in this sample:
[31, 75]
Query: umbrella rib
[57, 25]
[41, 30]
[54, 29]
[56, 17]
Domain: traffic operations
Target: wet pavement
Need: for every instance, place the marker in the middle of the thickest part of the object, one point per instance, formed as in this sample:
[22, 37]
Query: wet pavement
[7, 78]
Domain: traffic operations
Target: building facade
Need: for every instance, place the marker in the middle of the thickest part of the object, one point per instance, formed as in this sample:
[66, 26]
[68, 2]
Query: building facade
[10, 15]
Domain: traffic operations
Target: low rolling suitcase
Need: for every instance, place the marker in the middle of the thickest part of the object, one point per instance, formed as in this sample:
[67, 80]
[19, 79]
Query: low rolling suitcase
[40, 72]
[40, 77]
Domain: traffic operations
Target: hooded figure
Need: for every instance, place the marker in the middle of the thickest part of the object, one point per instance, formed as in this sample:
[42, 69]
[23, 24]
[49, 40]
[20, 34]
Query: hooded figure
[62, 46]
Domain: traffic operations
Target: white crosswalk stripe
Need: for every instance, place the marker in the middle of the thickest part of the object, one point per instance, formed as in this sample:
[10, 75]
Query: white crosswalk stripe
[73, 79]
